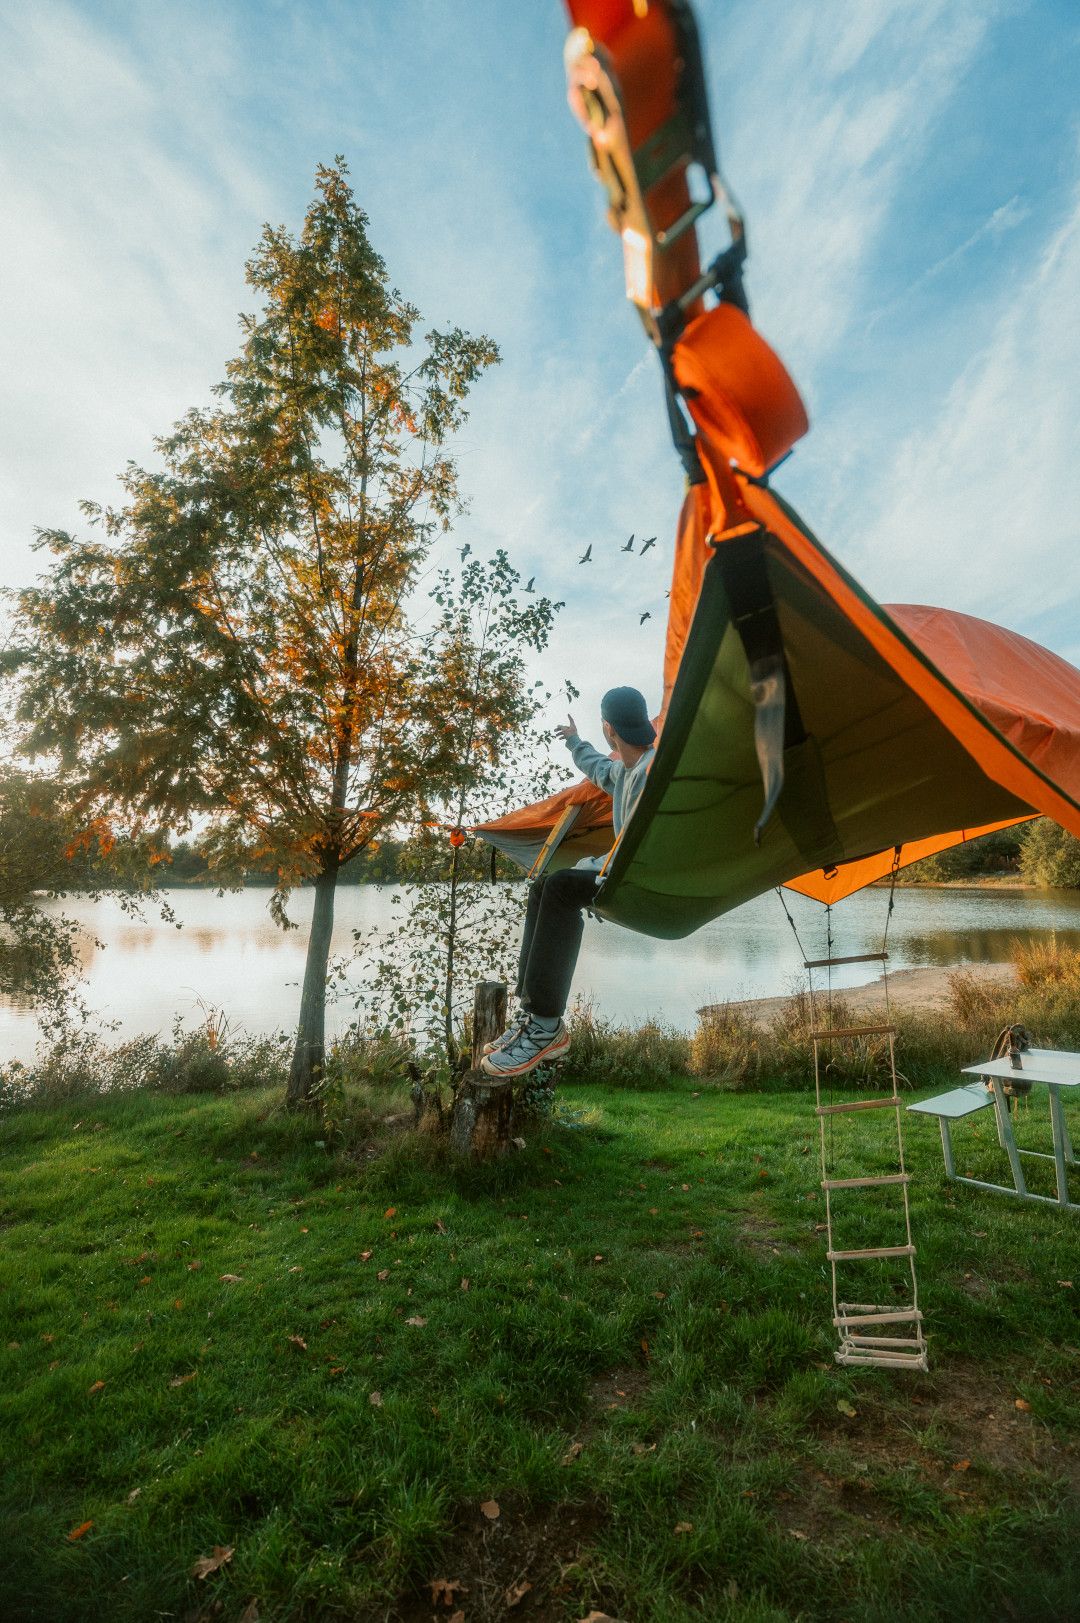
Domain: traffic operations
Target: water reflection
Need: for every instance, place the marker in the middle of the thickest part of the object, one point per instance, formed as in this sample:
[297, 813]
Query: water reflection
[230, 954]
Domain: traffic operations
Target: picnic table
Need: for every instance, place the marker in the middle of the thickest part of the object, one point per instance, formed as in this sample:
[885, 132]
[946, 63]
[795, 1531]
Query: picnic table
[1053, 1069]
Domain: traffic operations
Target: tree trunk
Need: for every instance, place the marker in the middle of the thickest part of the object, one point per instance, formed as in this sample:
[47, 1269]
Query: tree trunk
[310, 1050]
[481, 1120]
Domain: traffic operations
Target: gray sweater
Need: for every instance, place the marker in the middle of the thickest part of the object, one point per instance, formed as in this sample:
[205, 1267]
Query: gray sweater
[623, 784]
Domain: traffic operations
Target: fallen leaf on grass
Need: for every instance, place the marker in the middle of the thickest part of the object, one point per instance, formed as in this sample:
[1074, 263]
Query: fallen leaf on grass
[490, 1509]
[230, 1279]
[642, 1448]
[250, 1614]
[440, 1226]
[464, 1284]
[97, 1386]
[383, 1275]
[654, 1211]
[572, 1453]
[417, 1321]
[962, 1465]
[457, 1617]
[206, 1564]
[298, 1342]
[1023, 1404]
[365, 1256]
[645, 1349]
[599, 1617]
[79, 1532]
[846, 1408]
[391, 1211]
[1066, 1284]
[375, 1399]
[686, 1188]
[683, 1527]
[445, 1589]
[661, 1296]
[182, 1380]
[133, 1495]
[795, 1533]
[516, 1592]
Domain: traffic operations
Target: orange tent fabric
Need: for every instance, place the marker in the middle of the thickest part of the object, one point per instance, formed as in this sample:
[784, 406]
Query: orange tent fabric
[1014, 707]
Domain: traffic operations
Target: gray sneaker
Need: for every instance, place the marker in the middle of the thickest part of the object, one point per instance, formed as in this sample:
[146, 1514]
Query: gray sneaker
[533, 1046]
[514, 1029]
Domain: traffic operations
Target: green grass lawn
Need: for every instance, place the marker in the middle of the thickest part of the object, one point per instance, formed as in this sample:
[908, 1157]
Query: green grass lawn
[218, 1334]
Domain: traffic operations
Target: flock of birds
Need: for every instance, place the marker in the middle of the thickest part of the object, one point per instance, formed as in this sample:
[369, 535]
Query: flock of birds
[587, 558]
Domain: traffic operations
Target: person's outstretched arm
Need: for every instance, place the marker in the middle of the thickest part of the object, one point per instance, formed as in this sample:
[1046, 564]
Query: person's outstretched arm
[600, 768]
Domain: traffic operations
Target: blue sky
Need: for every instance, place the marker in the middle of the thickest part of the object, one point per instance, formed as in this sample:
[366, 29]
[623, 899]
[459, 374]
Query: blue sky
[910, 170]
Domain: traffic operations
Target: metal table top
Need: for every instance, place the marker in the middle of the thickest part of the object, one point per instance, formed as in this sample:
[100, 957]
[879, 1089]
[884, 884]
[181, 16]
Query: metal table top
[1047, 1065]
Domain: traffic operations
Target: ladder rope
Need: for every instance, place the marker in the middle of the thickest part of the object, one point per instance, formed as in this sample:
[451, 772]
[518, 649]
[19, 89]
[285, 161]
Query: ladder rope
[856, 1345]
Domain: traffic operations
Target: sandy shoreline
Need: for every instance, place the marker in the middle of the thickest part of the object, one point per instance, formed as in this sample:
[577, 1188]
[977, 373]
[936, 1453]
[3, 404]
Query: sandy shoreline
[924, 988]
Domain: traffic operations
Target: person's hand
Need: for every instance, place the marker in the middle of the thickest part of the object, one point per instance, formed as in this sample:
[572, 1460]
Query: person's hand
[569, 731]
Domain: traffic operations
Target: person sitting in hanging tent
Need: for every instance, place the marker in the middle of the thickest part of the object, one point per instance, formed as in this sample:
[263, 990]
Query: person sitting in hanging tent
[553, 918]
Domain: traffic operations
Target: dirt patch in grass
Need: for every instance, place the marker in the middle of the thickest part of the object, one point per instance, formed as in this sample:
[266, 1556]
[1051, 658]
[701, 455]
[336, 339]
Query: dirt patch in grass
[828, 1507]
[952, 1435]
[618, 1388]
[760, 1234]
[521, 1564]
[961, 1413]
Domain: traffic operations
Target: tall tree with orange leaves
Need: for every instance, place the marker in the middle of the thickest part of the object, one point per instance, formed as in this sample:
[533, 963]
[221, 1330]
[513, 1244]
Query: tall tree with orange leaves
[236, 644]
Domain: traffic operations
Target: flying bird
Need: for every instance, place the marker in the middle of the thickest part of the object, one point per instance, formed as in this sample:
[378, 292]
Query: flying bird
[586, 557]
[629, 547]
[645, 545]
[532, 583]
[466, 549]
[644, 617]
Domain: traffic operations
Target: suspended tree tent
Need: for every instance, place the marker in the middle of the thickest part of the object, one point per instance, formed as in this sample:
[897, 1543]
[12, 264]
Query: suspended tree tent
[809, 736]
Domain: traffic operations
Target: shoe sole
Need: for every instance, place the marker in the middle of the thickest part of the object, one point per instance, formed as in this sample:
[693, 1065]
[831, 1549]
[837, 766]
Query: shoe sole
[553, 1050]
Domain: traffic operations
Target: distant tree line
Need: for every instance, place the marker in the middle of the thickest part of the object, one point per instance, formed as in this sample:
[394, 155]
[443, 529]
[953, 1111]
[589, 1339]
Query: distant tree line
[1040, 853]
[387, 862]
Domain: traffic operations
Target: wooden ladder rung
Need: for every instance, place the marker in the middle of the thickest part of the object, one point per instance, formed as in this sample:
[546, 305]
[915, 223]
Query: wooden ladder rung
[822, 1034]
[846, 1321]
[859, 1104]
[866, 1183]
[867, 1343]
[853, 958]
[884, 1360]
[872, 1251]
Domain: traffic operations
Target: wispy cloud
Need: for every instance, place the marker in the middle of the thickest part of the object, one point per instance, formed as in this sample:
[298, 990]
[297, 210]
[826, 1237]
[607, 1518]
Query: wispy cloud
[830, 110]
[1007, 217]
[980, 507]
[123, 272]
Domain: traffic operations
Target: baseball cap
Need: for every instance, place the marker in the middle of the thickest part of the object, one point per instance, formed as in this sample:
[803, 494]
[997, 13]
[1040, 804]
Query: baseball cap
[625, 710]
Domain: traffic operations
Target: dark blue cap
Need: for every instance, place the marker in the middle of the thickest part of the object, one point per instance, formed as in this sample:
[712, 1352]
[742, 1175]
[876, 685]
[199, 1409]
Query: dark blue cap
[625, 710]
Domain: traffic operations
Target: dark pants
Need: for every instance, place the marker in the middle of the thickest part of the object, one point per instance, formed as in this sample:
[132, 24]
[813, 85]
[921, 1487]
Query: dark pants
[549, 946]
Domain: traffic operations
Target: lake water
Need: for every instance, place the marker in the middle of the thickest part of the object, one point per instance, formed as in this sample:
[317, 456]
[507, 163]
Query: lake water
[230, 955]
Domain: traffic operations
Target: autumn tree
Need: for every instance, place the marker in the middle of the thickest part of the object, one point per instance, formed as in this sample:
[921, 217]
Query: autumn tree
[234, 646]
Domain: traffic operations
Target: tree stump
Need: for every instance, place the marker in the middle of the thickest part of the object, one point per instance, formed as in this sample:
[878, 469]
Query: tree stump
[481, 1119]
